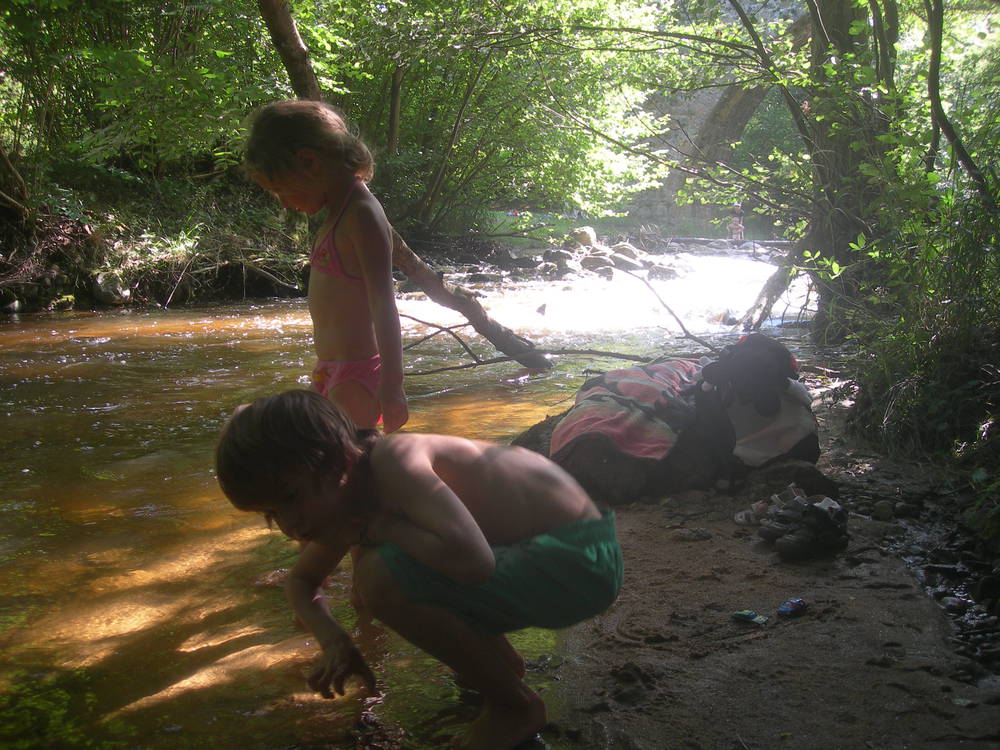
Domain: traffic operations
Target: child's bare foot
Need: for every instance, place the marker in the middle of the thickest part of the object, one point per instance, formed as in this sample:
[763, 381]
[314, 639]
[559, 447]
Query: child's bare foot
[502, 727]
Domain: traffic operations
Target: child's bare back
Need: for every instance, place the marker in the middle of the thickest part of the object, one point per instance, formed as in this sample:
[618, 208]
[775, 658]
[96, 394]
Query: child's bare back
[512, 493]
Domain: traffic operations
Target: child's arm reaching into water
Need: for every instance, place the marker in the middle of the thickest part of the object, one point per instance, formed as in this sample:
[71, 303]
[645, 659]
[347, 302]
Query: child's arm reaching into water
[340, 658]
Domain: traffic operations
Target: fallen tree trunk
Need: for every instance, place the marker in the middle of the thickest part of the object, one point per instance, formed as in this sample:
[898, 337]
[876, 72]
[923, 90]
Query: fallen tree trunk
[776, 285]
[462, 301]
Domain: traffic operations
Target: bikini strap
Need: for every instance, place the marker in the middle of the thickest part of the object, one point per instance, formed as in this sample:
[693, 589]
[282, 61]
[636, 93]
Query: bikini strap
[343, 207]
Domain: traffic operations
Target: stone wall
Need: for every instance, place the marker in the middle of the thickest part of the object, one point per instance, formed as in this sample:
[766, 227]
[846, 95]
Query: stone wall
[705, 121]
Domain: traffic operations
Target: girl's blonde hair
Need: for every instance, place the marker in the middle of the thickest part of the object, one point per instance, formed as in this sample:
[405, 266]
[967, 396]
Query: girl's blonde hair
[280, 129]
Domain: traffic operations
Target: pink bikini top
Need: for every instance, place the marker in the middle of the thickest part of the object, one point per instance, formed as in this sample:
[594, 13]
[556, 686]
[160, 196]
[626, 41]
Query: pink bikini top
[325, 257]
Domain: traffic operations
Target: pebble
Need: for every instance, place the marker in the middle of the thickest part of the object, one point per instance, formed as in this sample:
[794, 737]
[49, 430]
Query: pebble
[883, 510]
[954, 605]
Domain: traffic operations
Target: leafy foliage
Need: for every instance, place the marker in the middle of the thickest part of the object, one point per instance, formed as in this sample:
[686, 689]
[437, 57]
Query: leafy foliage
[485, 106]
[137, 85]
[487, 111]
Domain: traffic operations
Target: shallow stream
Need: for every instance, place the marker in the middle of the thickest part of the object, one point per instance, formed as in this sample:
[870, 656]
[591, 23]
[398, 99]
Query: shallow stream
[139, 610]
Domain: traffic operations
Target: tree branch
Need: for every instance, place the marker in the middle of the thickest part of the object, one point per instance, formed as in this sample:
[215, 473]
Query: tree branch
[450, 330]
[935, 24]
[462, 301]
[291, 48]
[687, 333]
[551, 352]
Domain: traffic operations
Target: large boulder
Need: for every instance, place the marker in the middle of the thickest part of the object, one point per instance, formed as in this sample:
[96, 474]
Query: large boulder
[586, 236]
[107, 288]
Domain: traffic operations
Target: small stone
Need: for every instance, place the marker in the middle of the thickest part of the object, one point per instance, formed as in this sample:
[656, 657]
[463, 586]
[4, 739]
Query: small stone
[954, 605]
[883, 511]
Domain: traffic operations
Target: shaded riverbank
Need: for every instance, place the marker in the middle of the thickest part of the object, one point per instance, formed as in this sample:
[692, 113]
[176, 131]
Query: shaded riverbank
[876, 661]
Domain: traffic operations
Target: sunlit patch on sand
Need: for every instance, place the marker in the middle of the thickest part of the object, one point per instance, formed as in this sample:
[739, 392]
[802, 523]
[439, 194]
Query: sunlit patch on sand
[210, 639]
[253, 661]
[173, 566]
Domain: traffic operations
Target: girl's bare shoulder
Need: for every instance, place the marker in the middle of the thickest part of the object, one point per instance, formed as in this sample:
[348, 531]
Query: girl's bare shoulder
[365, 209]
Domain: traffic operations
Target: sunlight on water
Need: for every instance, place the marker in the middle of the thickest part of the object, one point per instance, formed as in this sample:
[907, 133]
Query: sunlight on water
[707, 288]
[125, 576]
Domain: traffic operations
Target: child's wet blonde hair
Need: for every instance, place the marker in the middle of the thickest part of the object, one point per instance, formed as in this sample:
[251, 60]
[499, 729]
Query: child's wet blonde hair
[268, 444]
[279, 130]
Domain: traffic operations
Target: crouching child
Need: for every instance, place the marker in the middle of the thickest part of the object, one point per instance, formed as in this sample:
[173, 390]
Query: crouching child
[460, 541]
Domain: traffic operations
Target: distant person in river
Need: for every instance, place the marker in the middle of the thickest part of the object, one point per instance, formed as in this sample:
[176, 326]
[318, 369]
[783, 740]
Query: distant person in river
[303, 152]
[462, 541]
[735, 227]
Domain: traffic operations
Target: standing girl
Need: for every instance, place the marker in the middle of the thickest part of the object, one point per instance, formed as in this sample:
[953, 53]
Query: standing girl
[303, 153]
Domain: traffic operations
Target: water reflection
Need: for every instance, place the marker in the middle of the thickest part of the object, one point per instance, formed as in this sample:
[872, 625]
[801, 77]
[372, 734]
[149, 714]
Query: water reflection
[137, 606]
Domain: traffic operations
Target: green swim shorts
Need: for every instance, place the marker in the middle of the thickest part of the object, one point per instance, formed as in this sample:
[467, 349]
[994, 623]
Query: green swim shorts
[553, 580]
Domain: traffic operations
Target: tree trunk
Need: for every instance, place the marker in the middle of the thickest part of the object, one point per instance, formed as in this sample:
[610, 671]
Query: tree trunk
[395, 107]
[295, 57]
[13, 190]
[727, 120]
[293, 52]
[434, 189]
[935, 25]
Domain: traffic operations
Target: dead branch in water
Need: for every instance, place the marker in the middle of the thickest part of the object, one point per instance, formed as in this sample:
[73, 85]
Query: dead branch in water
[462, 301]
[450, 330]
[477, 361]
[684, 330]
[773, 288]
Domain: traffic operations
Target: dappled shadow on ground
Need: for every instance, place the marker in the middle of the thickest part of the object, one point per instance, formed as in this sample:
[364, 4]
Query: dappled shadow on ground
[189, 650]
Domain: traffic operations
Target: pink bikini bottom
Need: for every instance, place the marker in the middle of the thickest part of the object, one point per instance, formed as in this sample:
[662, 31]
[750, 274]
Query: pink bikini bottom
[329, 373]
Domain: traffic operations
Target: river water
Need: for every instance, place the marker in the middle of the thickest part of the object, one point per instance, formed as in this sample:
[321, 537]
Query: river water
[139, 610]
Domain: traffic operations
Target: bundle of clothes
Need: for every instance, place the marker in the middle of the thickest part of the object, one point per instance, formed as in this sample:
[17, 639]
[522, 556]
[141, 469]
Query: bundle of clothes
[686, 423]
